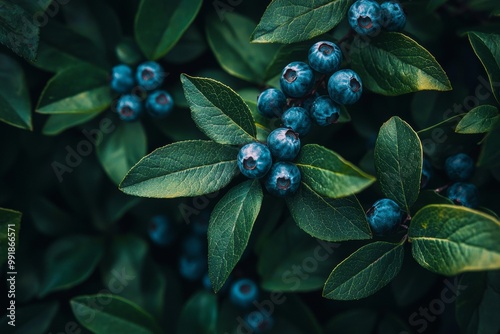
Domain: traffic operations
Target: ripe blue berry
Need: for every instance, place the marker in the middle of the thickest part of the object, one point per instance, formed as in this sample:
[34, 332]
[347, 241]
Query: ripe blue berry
[459, 167]
[297, 79]
[129, 108]
[271, 103]
[465, 194]
[284, 144]
[243, 292]
[159, 104]
[384, 216]
[365, 17]
[325, 57]
[254, 160]
[345, 87]
[122, 79]
[283, 179]
[161, 231]
[427, 173]
[324, 111]
[393, 16]
[259, 322]
[149, 75]
[192, 268]
[194, 245]
[297, 119]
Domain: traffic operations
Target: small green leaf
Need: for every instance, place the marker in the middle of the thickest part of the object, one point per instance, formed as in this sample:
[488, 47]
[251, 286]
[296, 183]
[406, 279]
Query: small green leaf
[182, 169]
[365, 271]
[394, 64]
[18, 30]
[159, 24]
[398, 160]
[326, 218]
[229, 42]
[65, 95]
[58, 123]
[10, 223]
[448, 239]
[487, 48]
[121, 149]
[106, 313]
[329, 174]
[479, 120]
[231, 223]
[219, 111]
[490, 154]
[70, 261]
[288, 21]
[199, 315]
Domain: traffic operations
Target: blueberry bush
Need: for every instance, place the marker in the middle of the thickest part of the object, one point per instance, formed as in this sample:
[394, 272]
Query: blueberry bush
[236, 166]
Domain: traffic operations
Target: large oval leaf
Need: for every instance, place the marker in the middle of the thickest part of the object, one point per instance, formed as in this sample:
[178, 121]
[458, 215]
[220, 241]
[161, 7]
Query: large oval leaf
[159, 24]
[398, 161]
[365, 271]
[288, 21]
[182, 169]
[479, 120]
[449, 239]
[219, 111]
[58, 123]
[329, 174]
[394, 64]
[199, 315]
[326, 218]
[231, 223]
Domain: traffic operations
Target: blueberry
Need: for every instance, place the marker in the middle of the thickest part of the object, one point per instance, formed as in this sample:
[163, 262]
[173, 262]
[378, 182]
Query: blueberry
[122, 79]
[465, 194]
[149, 75]
[345, 87]
[259, 322]
[459, 167]
[192, 268]
[297, 119]
[283, 179]
[297, 79]
[307, 103]
[254, 160]
[161, 231]
[325, 57]
[243, 292]
[129, 108]
[284, 144]
[159, 104]
[365, 17]
[384, 216]
[427, 173]
[324, 111]
[393, 16]
[271, 103]
[194, 245]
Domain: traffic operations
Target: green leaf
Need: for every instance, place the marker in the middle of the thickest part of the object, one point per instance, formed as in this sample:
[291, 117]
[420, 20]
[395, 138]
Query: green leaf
[15, 105]
[199, 315]
[479, 120]
[394, 64]
[288, 21]
[58, 123]
[69, 261]
[31, 318]
[18, 31]
[365, 271]
[219, 111]
[487, 48]
[121, 149]
[231, 223]
[63, 94]
[106, 313]
[326, 218]
[182, 169]
[398, 160]
[329, 174]
[51, 220]
[448, 239]
[191, 45]
[229, 42]
[159, 24]
[10, 223]
[490, 154]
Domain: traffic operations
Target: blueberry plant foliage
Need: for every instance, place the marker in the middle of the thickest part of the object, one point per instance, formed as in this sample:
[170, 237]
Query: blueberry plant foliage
[378, 192]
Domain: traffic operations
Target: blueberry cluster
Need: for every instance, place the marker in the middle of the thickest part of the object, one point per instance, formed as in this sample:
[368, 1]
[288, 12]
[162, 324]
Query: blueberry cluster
[148, 77]
[367, 17]
[459, 168]
[384, 216]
